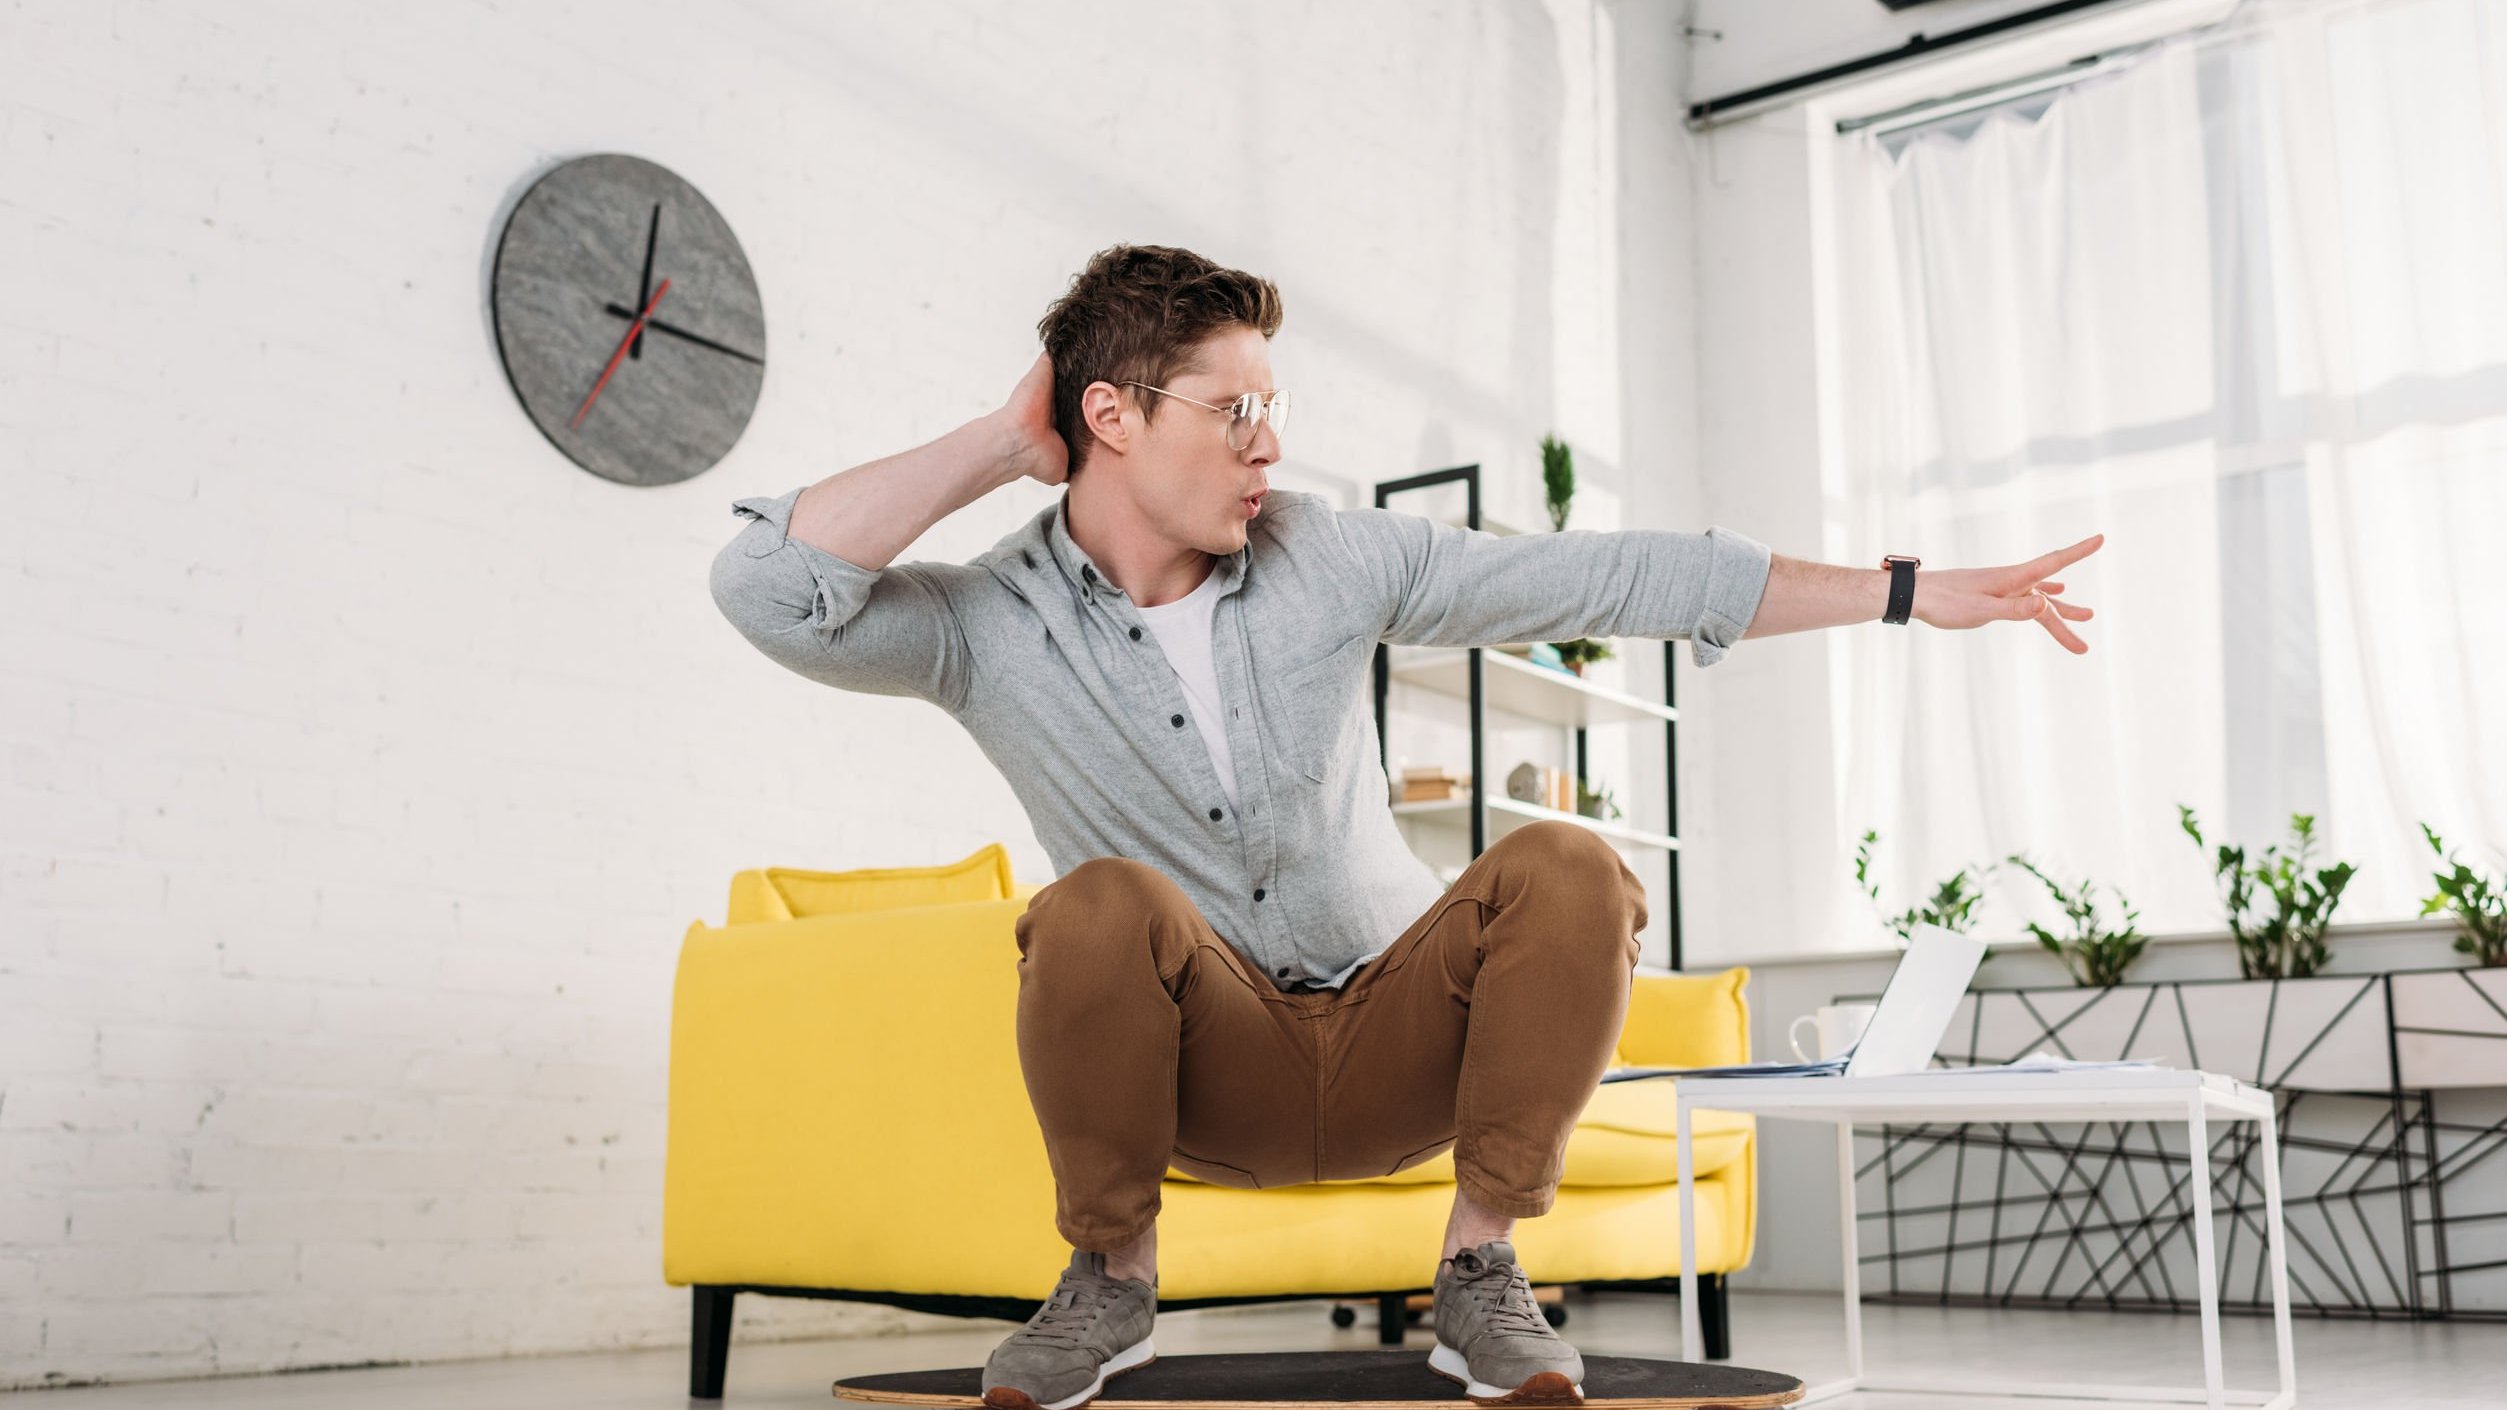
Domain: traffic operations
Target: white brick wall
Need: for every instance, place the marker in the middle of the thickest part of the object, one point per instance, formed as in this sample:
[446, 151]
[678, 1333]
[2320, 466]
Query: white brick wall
[361, 760]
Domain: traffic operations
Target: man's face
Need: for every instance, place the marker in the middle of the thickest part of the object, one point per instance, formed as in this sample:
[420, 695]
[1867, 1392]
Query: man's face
[1184, 479]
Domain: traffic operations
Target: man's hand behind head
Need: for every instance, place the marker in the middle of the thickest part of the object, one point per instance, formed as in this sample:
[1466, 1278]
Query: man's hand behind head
[1027, 421]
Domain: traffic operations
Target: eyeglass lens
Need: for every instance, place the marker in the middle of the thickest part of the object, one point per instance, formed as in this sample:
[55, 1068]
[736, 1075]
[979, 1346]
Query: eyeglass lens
[1250, 411]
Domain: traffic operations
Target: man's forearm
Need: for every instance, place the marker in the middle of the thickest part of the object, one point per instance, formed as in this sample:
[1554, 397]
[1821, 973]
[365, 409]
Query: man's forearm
[1802, 595]
[869, 514]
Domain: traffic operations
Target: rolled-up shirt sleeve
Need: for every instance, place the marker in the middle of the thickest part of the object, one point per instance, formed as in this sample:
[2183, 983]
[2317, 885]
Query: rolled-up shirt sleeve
[890, 631]
[1439, 584]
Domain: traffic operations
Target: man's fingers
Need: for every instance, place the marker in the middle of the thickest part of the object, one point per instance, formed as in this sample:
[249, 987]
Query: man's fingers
[2055, 562]
[2077, 614]
[2051, 589]
[2063, 634]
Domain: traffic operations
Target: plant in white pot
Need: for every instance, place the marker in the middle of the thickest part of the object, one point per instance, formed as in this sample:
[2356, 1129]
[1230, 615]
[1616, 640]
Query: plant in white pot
[1558, 488]
[1952, 905]
[2478, 901]
[2097, 952]
[2289, 943]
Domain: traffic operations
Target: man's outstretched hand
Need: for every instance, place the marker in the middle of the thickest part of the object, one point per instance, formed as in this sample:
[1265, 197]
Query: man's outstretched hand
[1971, 597]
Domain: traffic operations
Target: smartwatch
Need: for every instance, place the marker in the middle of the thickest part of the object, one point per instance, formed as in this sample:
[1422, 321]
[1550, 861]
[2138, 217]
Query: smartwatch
[1901, 587]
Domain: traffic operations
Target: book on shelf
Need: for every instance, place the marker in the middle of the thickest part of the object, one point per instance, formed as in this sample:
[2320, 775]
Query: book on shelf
[1428, 783]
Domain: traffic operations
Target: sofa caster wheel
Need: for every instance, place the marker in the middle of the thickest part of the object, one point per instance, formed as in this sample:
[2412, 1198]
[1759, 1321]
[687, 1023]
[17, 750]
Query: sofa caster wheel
[1410, 1315]
[1344, 1316]
[1554, 1313]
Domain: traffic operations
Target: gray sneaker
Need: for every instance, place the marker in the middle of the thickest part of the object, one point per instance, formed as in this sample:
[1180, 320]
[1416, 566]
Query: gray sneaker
[1090, 1327]
[1492, 1338]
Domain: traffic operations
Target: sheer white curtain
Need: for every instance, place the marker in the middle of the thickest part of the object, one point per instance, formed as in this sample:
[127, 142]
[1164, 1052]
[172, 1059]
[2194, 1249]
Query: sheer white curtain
[2243, 308]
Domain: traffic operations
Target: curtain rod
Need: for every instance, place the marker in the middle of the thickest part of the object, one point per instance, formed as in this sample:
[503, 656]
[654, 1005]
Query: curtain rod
[1712, 110]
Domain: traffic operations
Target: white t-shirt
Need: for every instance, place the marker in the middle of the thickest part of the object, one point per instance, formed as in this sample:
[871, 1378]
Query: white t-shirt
[1182, 628]
[1183, 631]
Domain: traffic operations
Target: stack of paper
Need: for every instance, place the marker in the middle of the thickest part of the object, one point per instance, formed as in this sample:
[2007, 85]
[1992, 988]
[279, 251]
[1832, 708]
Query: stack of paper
[1824, 1067]
[2039, 1061]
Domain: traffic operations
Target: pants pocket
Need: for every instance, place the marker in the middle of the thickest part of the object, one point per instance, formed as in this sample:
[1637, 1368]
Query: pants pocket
[1422, 1155]
[1213, 1172]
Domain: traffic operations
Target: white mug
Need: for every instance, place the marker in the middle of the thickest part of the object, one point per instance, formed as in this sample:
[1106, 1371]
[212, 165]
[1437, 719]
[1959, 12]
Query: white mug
[1836, 1028]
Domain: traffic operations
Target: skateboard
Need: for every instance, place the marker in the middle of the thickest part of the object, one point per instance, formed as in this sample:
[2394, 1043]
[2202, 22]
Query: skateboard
[1297, 1380]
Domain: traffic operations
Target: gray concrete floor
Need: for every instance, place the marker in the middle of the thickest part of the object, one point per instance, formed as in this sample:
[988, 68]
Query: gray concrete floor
[2349, 1364]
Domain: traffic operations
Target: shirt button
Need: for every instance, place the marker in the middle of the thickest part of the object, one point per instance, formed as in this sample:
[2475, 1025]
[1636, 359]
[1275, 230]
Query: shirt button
[1135, 633]
[1258, 896]
[1087, 572]
[1214, 815]
[1176, 720]
[1283, 974]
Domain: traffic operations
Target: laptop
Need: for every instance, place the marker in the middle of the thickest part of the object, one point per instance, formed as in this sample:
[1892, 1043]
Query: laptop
[1914, 1011]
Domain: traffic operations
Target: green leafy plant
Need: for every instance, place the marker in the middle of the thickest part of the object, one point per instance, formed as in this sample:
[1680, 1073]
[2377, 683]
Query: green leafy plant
[1558, 479]
[2479, 902]
[1952, 905]
[1591, 801]
[2289, 943]
[1582, 651]
[2096, 952]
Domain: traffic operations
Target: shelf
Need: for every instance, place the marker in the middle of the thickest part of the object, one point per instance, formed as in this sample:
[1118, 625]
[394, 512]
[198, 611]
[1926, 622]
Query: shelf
[1518, 687]
[1507, 814]
[1487, 525]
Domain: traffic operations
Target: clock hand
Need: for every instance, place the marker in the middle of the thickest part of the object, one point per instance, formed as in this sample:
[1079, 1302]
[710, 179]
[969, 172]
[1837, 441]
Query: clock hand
[644, 286]
[632, 330]
[674, 330]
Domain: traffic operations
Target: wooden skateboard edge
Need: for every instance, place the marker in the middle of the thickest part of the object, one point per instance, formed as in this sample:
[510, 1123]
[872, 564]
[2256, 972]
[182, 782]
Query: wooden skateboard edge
[1682, 1402]
[1749, 1400]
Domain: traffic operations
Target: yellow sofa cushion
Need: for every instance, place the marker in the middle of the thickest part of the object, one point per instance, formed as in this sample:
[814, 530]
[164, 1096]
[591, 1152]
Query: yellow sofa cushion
[789, 893]
[1686, 1020]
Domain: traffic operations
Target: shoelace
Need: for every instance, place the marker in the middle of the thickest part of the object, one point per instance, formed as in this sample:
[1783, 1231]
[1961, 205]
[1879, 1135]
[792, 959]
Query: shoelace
[1065, 1317]
[1506, 1302]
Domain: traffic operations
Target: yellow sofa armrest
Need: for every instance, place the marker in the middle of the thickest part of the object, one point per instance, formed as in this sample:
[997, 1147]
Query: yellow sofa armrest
[841, 1086]
[1687, 1020]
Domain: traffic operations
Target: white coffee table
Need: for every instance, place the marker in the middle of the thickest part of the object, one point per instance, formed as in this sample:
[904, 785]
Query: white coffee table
[2144, 1094]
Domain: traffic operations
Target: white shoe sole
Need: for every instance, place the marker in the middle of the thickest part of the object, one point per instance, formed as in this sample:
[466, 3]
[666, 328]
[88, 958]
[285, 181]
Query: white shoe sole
[1125, 1360]
[1449, 1363]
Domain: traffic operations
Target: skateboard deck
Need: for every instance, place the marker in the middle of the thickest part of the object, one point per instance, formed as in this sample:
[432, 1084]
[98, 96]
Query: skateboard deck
[1287, 1380]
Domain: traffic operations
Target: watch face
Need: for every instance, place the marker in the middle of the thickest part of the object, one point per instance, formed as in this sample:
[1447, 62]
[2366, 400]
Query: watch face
[590, 247]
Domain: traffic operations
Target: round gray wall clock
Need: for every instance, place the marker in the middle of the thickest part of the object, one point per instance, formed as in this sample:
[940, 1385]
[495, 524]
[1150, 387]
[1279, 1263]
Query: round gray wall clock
[627, 320]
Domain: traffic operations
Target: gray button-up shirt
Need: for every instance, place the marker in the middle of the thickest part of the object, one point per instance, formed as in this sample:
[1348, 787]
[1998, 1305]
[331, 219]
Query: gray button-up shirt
[1052, 670]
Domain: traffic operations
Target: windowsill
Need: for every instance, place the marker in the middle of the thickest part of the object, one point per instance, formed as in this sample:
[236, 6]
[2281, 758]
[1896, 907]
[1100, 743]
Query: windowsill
[2418, 927]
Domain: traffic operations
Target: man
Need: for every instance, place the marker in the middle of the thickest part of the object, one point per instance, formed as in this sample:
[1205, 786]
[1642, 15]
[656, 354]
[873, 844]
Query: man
[1241, 970]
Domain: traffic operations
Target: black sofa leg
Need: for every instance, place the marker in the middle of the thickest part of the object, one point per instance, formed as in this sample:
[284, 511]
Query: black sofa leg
[1714, 1316]
[1392, 1318]
[709, 1342]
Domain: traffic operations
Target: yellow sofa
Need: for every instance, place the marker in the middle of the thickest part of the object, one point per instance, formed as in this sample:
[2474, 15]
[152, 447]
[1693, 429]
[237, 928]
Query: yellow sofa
[847, 1119]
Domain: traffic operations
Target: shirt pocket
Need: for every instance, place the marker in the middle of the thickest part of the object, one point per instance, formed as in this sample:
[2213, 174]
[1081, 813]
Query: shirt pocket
[1314, 710]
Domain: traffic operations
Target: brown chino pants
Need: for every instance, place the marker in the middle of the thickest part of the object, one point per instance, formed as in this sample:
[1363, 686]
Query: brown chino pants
[1146, 1040]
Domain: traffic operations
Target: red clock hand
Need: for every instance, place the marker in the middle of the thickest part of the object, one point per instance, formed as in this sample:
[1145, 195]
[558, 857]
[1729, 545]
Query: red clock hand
[632, 329]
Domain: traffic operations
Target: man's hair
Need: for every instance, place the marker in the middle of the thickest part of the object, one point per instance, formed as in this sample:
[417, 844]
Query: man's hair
[1139, 313]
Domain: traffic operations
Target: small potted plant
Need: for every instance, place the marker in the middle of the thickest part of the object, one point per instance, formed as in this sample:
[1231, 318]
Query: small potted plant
[2096, 953]
[1591, 801]
[1581, 652]
[2478, 901]
[2289, 943]
[1558, 479]
[1558, 486]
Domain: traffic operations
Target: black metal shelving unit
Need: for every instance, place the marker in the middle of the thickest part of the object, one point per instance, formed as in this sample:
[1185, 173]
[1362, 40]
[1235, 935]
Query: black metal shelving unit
[1468, 476]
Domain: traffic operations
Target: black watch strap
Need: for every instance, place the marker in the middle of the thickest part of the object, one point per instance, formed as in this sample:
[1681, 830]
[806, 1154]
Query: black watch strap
[1901, 588]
